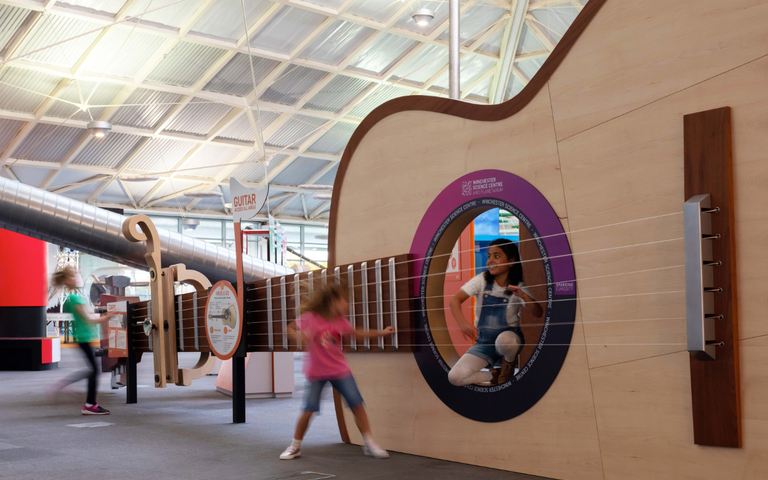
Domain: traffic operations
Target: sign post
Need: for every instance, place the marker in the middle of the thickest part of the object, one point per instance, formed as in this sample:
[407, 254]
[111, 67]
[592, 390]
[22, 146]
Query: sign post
[246, 203]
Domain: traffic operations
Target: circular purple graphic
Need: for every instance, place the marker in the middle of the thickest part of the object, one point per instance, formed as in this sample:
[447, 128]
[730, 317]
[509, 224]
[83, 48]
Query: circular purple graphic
[487, 189]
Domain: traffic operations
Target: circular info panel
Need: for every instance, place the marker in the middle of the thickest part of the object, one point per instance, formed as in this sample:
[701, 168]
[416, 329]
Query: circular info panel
[222, 320]
[450, 213]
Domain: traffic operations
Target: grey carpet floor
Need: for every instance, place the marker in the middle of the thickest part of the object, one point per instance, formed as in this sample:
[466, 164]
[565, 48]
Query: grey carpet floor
[182, 433]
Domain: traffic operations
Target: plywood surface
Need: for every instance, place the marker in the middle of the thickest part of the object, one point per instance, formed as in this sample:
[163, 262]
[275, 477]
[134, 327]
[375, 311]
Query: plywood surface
[634, 53]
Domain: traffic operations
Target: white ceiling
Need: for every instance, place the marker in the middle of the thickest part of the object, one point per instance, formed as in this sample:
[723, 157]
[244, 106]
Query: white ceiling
[186, 104]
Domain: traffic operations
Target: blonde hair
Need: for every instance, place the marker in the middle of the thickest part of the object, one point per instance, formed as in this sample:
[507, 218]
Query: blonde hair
[59, 277]
[322, 299]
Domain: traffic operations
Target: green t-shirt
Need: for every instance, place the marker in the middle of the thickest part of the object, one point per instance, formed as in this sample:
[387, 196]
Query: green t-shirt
[83, 330]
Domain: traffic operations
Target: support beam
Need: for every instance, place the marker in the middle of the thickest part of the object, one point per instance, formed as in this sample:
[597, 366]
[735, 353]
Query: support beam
[320, 210]
[60, 189]
[509, 43]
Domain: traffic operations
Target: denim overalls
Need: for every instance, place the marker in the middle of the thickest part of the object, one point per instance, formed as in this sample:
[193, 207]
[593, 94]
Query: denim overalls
[492, 321]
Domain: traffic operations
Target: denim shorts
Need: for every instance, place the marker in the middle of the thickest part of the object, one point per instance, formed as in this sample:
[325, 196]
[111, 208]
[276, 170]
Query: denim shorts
[488, 352]
[346, 386]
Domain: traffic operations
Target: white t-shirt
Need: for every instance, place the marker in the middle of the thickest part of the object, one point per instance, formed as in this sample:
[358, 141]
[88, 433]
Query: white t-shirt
[476, 288]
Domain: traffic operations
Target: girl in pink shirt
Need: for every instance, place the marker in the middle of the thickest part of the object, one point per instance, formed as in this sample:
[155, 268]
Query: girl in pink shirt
[323, 326]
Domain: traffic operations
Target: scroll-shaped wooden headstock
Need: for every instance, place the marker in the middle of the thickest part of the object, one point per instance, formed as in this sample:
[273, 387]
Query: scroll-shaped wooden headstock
[140, 228]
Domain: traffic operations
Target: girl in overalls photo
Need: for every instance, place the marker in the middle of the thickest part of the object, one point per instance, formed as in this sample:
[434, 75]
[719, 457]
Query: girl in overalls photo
[500, 294]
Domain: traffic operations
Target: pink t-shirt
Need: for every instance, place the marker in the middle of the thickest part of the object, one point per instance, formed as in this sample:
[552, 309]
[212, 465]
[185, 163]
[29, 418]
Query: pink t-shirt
[326, 359]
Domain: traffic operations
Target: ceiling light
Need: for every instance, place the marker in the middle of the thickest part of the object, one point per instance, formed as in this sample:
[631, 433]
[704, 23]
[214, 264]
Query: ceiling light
[307, 186]
[199, 194]
[139, 178]
[423, 16]
[99, 128]
[189, 223]
[322, 196]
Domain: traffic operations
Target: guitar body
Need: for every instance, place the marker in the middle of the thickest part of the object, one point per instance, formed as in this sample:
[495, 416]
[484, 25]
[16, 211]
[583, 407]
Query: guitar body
[599, 134]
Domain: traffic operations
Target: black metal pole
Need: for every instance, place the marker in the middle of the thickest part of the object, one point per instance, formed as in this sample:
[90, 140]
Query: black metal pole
[131, 394]
[238, 384]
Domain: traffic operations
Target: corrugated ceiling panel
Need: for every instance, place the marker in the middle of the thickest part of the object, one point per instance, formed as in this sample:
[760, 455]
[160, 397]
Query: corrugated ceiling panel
[337, 94]
[113, 194]
[241, 128]
[160, 155]
[336, 42]
[423, 65]
[329, 177]
[53, 29]
[376, 10]
[8, 130]
[209, 205]
[66, 176]
[147, 108]
[379, 56]
[30, 175]
[312, 203]
[470, 71]
[11, 18]
[381, 94]
[253, 171]
[441, 15]
[18, 100]
[482, 91]
[217, 155]
[108, 151]
[555, 21]
[225, 18]
[82, 193]
[493, 45]
[514, 86]
[185, 64]
[123, 52]
[294, 210]
[199, 117]
[293, 85]
[99, 94]
[235, 78]
[334, 4]
[108, 6]
[530, 67]
[528, 42]
[48, 143]
[289, 27]
[474, 21]
[173, 186]
[295, 131]
[335, 140]
[174, 15]
[299, 171]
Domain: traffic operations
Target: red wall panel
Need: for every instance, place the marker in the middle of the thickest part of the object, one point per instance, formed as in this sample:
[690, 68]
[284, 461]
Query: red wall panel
[23, 271]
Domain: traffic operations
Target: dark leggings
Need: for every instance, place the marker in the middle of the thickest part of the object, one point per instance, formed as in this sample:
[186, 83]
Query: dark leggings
[91, 374]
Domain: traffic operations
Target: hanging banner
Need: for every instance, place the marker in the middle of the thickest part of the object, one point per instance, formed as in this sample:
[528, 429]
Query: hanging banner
[117, 329]
[223, 325]
[246, 202]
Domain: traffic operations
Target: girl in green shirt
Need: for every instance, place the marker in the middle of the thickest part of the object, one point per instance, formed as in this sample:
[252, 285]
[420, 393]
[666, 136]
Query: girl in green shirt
[84, 331]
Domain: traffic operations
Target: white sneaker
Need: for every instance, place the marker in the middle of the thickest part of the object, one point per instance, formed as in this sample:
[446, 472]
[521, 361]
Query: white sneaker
[291, 453]
[375, 451]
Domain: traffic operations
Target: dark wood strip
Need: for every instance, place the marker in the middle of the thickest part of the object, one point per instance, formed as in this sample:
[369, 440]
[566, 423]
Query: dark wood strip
[715, 384]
